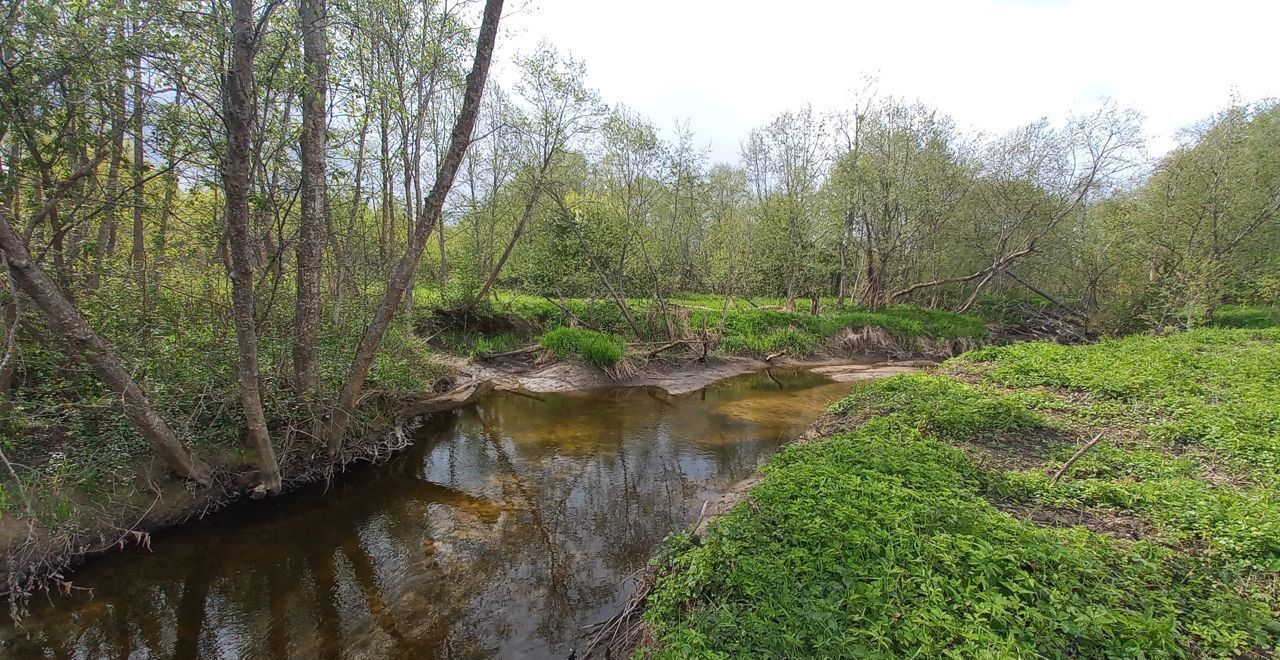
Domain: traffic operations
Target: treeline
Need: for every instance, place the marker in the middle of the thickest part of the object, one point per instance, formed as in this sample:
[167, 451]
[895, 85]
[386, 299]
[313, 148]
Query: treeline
[891, 203]
[251, 194]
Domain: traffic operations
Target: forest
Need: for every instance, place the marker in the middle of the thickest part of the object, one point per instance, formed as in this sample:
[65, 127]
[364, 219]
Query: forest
[239, 235]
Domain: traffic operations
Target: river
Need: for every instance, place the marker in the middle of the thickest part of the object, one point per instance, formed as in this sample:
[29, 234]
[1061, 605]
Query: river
[508, 527]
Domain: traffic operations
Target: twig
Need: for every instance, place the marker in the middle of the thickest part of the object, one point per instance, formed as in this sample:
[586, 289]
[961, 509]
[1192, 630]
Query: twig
[1065, 466]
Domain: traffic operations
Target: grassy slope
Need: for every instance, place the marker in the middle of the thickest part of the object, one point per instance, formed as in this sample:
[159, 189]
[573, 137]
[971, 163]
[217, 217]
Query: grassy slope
[884, 539]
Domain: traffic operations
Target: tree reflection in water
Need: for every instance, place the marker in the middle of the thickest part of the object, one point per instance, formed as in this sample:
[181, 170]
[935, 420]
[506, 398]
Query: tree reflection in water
[508, 527]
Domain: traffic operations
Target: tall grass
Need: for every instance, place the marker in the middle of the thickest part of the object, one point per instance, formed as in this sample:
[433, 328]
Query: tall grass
[597, 349]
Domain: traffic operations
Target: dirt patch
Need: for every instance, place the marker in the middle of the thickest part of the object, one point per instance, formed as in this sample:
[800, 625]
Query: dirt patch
[1117, 524]
[851, 373]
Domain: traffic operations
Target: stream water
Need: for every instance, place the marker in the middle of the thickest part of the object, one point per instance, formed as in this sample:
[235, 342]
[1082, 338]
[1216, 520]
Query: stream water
[508, 527]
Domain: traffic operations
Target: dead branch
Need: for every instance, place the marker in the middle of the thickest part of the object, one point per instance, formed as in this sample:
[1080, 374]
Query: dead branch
[519, 351]
[1062, 470]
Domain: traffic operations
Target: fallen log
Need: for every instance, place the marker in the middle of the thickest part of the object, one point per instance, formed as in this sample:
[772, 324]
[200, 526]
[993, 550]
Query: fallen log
[455, 398]
[519, 351]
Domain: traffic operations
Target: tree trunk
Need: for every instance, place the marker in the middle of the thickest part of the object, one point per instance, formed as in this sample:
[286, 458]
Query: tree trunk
[530, 203]
[67, 322]
[434, 206]
[238, 114]
[313, 20]
[139, 253]
[107, 227]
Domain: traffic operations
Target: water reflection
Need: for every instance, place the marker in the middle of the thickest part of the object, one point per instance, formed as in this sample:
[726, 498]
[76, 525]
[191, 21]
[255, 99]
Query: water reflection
[507, 528]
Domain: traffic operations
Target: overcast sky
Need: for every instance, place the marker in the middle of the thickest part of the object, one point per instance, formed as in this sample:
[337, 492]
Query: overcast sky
[727, 66]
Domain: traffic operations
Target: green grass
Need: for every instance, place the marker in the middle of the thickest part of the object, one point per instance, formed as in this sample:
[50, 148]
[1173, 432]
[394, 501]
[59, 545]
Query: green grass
[597, 349]
[883, 540]
[1236, 316]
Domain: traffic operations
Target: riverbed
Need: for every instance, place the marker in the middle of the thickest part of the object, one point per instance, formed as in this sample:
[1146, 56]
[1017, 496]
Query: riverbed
[510, 526]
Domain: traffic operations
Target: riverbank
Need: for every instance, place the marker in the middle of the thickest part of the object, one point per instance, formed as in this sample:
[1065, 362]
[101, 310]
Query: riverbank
[51, 525]
[506, 528]
[1116, 499]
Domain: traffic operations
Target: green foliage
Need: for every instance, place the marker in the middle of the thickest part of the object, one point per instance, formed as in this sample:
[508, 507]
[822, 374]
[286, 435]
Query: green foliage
[1204, 403]
[883, 541]
[597, 349]
[943, 407]
[878, 543]
[70, 430]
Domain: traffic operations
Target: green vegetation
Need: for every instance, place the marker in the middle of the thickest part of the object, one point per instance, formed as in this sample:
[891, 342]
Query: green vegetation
[597, 349]
[231, 238]
[62, 427]
[736, 327]
[888, 537]
[1237, 316]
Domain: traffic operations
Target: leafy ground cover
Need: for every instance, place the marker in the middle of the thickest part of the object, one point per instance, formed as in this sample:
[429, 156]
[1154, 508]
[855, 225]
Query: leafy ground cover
[926, 522]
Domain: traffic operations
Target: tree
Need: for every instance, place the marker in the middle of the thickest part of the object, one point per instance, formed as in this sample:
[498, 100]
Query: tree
[313, 23]
[459, 139]
[238, 117]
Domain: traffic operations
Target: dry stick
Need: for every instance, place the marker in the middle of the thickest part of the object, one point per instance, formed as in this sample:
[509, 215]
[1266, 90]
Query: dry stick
[1065, 466]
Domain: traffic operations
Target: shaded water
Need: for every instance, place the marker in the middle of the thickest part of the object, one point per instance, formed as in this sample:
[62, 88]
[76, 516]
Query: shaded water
[509, 526]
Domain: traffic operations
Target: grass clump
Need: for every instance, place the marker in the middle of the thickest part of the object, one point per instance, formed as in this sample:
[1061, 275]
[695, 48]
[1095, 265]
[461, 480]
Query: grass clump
[597, 349]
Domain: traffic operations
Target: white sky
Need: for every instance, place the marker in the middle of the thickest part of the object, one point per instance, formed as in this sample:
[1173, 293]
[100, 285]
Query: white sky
[727, 66]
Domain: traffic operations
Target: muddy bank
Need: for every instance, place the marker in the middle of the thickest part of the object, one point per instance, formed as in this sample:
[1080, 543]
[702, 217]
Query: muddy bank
[672, 376]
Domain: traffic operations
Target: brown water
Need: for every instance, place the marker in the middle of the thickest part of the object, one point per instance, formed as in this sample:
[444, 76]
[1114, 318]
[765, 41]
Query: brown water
[509, 526]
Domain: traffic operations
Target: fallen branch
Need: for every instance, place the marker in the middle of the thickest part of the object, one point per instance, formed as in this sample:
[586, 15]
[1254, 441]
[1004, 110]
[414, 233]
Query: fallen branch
[1062, 470]
[519, 351]
[772, 357]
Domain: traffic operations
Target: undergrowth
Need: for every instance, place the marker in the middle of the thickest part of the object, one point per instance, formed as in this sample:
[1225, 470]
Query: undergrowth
[886, 540]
